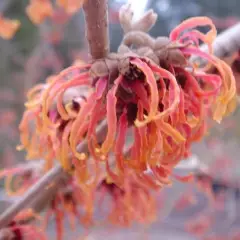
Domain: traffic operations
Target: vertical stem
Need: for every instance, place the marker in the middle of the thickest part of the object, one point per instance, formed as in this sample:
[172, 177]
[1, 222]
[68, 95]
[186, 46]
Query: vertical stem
[96, 23]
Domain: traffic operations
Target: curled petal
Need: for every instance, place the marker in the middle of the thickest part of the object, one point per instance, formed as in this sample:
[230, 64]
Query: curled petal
[228, 89]
[53, 88]
[188, 178]
[120, 140]
[174, 94]
[82, 79]
[153, 91]
[196, 22]
[170, 131]
[111, 117]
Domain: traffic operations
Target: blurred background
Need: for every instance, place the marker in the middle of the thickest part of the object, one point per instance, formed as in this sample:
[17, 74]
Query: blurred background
[39, 51]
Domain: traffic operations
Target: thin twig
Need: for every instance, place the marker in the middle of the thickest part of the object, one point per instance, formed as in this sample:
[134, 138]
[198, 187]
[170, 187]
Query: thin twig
[49, 178]
[96, 18]
[226, 43]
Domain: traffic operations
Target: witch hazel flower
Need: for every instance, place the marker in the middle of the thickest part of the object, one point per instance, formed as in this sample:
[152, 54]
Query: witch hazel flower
[19, 179]
[39, 10]
[71, 6]
[134, 202]
[149, 92]
[21, 228]
[51, 141]
[8, 27]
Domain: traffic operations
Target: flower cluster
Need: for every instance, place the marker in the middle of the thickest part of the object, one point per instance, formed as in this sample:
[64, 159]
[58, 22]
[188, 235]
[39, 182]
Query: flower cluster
[119, 125]
[162, 107]
[129, 118]
[133, 202]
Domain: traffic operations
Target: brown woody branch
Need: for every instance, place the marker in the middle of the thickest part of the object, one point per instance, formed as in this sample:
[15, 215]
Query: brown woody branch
[45, 188]
[96, 23]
